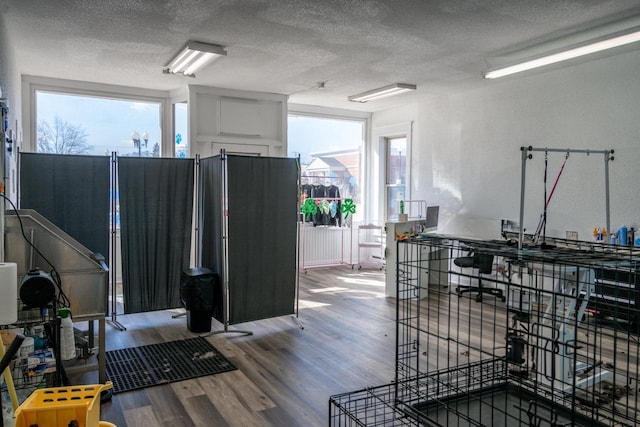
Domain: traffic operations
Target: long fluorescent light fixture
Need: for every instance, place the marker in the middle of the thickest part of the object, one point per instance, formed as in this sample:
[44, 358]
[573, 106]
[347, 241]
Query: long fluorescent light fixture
[593, 46]
[383, 92]
[194, 56]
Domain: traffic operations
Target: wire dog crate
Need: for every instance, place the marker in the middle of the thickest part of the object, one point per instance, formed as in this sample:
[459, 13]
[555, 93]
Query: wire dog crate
[548, 338]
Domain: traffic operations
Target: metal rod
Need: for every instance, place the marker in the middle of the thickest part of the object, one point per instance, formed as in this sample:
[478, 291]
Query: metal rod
[114, 244]
[565, 150]
[523, 178]
[606, 194]
[224, 274]
[198, 255]
[32, 238]
[225, 237]
[298, 207]
[525, 155]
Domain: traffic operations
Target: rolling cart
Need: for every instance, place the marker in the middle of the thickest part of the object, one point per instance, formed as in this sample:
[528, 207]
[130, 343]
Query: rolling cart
[370, 247]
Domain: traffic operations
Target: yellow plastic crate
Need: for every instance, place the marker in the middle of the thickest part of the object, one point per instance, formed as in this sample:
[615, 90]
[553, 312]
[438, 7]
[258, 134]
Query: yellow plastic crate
[58, 406]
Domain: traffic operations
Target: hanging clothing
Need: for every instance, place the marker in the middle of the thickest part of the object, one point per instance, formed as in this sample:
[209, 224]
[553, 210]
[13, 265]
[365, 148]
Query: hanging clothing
[333, 192]
[319, 192]
[328, 202]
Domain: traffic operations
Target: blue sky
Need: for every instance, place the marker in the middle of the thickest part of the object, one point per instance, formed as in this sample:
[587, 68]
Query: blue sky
[312, 134]
[111, 122]
[108, 122]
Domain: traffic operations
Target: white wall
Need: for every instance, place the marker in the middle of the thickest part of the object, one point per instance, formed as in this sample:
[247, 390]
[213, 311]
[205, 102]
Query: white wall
[466, 148]
[383, 125]
[10, 89]
[237, 121]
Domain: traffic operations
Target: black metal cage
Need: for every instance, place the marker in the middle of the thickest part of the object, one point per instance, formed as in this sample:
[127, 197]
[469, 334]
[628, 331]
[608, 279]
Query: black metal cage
[547, 336]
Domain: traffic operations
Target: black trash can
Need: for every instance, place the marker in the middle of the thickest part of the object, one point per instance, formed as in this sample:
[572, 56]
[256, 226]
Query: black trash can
[197, 290]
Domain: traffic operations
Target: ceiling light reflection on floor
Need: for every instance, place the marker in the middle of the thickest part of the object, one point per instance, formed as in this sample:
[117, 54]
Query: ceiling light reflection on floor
[325, 290]
[311, 304]
[362, 281]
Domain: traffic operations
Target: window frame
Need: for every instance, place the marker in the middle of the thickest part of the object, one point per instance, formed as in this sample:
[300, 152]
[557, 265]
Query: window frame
[350, 115]
[31, 85]
[387, 184]
[378, 166]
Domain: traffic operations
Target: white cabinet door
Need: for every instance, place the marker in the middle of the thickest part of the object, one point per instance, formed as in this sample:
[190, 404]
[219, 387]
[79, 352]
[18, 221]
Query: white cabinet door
[249, 118]
[237, 121]
[245, 149]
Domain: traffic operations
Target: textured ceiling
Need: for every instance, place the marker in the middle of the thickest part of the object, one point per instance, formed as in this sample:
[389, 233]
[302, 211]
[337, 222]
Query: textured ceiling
[288, 46]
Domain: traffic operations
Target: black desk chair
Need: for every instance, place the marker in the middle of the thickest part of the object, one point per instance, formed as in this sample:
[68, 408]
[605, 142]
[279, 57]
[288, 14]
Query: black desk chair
[484, 264]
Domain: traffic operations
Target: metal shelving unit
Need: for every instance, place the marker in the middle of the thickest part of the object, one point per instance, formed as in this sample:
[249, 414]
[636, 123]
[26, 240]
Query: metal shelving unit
[370, 246]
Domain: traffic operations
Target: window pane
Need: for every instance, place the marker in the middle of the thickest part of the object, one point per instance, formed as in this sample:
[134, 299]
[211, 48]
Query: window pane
[394, 195]
[180, 125]
[77, 124]
[330, 153]
[397, 160]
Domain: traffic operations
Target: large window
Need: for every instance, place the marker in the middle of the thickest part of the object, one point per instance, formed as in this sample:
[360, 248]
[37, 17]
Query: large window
[180, 125]
[396, 175]
[79, 124]
[330, 151]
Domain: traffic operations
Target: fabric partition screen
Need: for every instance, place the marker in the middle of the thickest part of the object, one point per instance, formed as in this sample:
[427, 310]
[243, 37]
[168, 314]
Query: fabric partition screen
[72, 192]
[261, 245]
[210, 224]
[156, 207]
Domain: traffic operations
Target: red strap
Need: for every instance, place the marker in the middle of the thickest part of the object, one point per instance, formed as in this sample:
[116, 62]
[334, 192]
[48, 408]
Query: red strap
[557, 179]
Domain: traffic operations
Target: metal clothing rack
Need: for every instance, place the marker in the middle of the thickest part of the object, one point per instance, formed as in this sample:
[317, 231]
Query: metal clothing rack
[527, 155]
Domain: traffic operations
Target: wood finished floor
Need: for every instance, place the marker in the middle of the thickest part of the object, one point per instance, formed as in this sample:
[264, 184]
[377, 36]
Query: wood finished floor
[285, 374]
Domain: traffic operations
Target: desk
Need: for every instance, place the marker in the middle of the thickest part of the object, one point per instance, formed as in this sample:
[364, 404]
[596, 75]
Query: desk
[430, 268]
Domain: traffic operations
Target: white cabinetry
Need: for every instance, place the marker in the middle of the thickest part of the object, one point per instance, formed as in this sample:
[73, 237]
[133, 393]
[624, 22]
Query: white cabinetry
[237, 121]
[424, 272]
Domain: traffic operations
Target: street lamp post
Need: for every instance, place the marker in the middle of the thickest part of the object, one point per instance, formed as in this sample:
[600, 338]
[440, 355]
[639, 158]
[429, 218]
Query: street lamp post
[136, 141]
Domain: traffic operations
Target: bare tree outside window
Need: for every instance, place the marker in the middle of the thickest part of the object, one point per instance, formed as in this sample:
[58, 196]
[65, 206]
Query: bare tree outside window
[61, 137]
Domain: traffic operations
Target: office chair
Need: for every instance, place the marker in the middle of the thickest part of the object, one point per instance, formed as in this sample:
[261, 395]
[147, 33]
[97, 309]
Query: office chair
[484, 264]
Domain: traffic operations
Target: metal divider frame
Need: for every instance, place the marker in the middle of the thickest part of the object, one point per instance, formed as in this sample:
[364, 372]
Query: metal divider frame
[225, 251]
[527, 155]
[114, 244]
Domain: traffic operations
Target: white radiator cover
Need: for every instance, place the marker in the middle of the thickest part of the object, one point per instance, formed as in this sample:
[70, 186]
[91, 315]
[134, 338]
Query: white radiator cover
[324, 246]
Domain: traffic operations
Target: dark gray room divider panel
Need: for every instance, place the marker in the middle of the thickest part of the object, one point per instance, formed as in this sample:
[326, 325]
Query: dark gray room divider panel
[156, 208]
[72, 192]
[262, 197]
[210, 222]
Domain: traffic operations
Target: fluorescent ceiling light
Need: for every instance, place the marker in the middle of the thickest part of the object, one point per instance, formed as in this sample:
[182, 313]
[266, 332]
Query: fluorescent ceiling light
[382, 92]
[571, 52]
[194, 56]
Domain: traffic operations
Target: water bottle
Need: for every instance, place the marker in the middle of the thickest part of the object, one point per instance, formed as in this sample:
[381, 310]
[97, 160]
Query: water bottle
[67, 340]
[622, 235]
